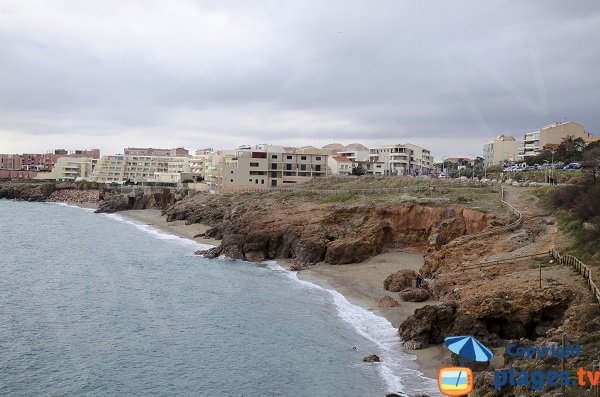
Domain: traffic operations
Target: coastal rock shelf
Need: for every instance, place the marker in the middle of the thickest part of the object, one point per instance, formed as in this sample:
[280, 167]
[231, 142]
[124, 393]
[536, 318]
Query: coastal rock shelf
[257, 227]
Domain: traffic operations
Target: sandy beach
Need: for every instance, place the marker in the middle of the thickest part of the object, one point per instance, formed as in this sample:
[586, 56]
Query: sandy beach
[361, 283]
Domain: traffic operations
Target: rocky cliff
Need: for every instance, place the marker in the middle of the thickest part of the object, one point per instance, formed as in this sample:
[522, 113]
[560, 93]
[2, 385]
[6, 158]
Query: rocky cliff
[259, 226]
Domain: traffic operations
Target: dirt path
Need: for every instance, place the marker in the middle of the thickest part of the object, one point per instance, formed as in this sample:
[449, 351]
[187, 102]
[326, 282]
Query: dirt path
[538, 231]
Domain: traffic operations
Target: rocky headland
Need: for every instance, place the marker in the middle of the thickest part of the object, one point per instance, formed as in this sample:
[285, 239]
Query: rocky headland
[262, 226]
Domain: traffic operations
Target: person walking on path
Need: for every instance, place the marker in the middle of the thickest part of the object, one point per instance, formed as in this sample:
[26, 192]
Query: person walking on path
[419, 280]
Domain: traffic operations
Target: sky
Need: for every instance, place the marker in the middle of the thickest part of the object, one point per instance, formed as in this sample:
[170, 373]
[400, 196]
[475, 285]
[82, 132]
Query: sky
[448, 76]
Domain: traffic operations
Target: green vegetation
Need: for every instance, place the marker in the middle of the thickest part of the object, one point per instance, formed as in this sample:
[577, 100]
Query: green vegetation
[359, 170]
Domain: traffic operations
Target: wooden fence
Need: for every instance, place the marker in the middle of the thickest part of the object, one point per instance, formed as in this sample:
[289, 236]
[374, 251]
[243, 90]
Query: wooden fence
[583, 269]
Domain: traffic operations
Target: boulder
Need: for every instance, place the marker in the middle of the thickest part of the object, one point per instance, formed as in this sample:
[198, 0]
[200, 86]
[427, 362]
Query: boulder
[414, 295]
[400, 280]
[113, 204]
[388, 301]
[373, 358]
[428, 325]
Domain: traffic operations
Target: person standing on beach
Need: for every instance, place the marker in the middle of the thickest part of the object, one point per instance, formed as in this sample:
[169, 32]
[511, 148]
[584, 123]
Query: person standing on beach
[419, 280]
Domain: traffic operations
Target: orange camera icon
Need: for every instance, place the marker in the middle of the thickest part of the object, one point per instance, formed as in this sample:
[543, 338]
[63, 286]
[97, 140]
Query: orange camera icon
[455, 381]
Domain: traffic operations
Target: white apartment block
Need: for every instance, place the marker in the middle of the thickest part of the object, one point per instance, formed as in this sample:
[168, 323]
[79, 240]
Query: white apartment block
[269, 166]
[120, 168]
[70, 169]
[500, 150]
[404, 159]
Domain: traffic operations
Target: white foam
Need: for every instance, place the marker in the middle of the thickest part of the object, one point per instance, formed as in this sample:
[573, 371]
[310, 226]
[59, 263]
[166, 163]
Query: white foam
[63, 204]
[159, 234]
[394, 368]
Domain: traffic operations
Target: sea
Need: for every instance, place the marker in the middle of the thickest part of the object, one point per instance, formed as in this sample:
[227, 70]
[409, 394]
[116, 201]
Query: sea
[98, 305]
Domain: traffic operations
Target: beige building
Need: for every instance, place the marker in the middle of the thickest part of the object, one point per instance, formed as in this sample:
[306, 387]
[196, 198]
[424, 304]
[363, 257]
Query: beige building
[339, 165]
[70, 169]
[553, 134]
[268, 166]
[500, 150]
[119, 168]
[407, 159]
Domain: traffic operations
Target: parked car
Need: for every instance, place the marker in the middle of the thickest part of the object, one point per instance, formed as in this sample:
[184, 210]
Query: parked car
[572, 166]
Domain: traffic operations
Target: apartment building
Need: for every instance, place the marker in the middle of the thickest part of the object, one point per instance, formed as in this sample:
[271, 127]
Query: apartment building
[119, 168]
[70, 169]
[136, 151]
[552, 134]
[269, 166]
[500, 150]
[355, 152]
[406, 159]
[42, 161]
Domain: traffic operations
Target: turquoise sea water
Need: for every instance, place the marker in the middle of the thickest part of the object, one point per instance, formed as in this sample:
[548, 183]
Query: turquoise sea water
[94, 305]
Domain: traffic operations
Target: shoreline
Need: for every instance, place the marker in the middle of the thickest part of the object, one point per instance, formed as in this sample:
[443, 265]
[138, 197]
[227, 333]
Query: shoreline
[361, 284]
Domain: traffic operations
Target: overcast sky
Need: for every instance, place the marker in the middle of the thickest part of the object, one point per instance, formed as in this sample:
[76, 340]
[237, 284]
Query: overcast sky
[447, 75]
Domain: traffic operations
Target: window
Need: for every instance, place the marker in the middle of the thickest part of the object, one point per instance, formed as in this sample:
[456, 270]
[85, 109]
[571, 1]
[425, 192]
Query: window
[273, 174]
[273, 156]
[274, 166]
[288, 167]
[288, 157]
[318, 158]
[317, 168]
[250, 180]
[232, 172]
[262, 181]
[259, 155]
[256, 181]
[231, 180]
[302, 157]
[253, 164]
[303, 167]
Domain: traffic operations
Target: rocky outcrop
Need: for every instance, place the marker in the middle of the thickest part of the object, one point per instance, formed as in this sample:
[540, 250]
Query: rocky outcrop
[428, 325]
[262, 226]
[388, 301]
[414, 295]
[27, 191]
[490, 316]
[400, 280]
[373, 358]
[112, 204]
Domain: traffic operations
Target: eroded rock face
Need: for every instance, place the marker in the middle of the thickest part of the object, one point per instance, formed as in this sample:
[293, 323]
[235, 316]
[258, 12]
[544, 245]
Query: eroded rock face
[308, 232]
[491, 316]
[428, 325]
[112, 204]
[400, 280]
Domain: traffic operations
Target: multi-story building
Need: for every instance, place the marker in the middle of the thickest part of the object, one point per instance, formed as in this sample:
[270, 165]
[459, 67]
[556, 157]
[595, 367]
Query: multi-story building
[119, 168]
[339, 165]
[500, 150]
[354, 152]
[404, 159]
[176, 152]
[70, 169]
[42, 161]
[552, 134]
[269, 166]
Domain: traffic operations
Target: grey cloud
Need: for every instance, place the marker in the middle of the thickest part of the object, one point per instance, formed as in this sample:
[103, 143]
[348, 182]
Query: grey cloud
[270, 71]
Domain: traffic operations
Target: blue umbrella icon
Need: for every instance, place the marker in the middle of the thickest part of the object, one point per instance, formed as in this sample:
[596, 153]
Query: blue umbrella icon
[468, 348]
